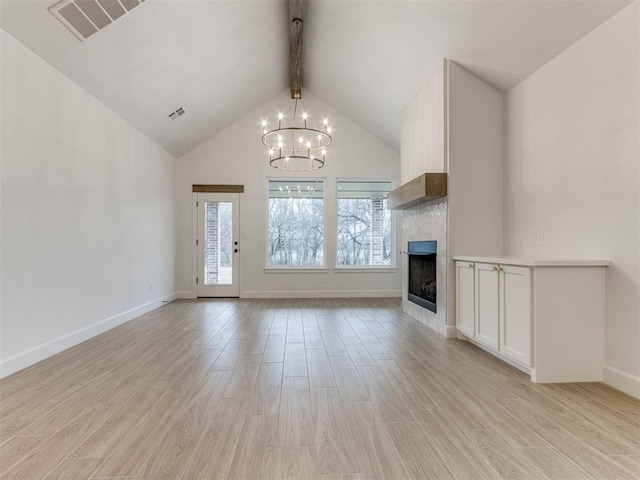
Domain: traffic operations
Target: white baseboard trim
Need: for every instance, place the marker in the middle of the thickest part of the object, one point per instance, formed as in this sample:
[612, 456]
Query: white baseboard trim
[499, 355]
[322, 294]
[46, 350]
[186, 295]
[621, 381]
[450, 331]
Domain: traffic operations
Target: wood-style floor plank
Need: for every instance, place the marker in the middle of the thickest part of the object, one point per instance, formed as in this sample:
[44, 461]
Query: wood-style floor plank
[349, 384]
[295, 360]
[74, 469]
[552, 464]
[295, 420]
[265, 396]
[319, 368]
[452, 446]
[506, 460]
[322, 389]
[419, 461]
[390, 405]
[295, 332]
[377, 454]
[108, 435]
[211, 458]
[254, 457]
[243, 377]
[17, 449]
[42, 460]
[274, 350]
[145, 436]
[334, 447]
[293, 463]
[630, 462]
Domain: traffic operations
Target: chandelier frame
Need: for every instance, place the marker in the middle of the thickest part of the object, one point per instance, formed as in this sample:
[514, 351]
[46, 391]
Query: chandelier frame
[310, 152]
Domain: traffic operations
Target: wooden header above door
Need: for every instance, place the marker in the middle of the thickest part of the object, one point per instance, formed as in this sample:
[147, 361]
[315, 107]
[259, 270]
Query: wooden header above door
[218, 189]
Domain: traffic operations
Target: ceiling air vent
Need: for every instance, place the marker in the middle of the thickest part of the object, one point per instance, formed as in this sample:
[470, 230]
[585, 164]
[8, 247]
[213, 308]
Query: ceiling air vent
[177, 114]
[83, 18]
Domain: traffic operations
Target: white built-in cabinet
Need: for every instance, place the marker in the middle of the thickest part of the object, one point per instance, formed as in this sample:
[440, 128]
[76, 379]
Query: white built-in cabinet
[465, 298]
[493, 306]
[545, 317]
[515, 297]
[487, 301]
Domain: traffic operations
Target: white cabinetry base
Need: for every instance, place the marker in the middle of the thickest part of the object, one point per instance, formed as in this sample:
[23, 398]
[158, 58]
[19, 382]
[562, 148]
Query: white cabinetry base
[565, 305]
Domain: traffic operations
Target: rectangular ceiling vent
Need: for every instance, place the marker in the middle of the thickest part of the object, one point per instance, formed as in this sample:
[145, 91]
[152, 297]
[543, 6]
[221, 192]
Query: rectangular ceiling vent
[177, 114]
[83, 18]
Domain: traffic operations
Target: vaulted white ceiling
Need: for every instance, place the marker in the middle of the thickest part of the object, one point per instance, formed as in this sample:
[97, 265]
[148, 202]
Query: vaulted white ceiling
[220, 59]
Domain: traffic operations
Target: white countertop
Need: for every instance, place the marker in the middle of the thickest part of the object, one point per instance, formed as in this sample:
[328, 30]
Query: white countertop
[535, 262]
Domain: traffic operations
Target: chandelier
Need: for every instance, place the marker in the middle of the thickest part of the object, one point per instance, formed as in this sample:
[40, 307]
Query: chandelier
[297, 144]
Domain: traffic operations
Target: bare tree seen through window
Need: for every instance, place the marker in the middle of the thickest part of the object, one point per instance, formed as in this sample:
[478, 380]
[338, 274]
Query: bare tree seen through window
[296, 223]
[364, 224]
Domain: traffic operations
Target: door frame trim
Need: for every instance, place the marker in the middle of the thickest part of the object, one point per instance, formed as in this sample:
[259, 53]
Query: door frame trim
[217, 188]
[194, 248]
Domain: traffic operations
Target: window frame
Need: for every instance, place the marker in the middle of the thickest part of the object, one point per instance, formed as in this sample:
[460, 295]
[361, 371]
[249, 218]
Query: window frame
[296, 268]
[392, 267]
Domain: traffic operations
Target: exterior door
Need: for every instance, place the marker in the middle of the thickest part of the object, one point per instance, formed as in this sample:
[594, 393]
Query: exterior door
[218, 244]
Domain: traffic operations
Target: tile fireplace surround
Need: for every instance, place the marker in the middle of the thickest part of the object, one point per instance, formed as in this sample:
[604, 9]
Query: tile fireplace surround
[427, 221]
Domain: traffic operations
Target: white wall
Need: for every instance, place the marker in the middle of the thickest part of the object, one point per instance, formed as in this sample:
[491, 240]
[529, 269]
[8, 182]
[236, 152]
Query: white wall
[573, 174]
[475, 150]
[236, 156]
[87, 214]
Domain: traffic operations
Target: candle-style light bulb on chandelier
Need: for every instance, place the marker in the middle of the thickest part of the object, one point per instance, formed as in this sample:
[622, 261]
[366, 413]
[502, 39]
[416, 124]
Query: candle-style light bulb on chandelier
[297, 144]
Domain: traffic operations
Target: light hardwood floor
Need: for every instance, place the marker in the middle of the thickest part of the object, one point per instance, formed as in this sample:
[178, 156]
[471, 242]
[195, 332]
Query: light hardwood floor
[311, 389]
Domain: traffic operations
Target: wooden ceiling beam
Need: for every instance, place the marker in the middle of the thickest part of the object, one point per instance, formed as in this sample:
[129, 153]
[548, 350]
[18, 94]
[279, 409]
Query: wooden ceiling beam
[296, 15]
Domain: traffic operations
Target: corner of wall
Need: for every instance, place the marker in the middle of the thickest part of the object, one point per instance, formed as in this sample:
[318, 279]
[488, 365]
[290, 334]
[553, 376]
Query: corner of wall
[46, 350]
[621, 381]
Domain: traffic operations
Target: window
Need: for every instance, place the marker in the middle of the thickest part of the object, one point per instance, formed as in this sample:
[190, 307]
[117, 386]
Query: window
[365, 232]
[296, 223]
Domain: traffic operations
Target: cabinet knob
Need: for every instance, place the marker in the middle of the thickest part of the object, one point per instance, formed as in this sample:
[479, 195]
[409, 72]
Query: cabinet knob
[471, 265]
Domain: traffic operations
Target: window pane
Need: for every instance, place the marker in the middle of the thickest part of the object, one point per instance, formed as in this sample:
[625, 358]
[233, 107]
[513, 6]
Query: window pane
[217, 243]
[296, 223]
[364, 224]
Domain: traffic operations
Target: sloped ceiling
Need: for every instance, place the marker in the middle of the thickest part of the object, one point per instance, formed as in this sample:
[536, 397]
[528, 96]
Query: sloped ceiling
[220, 59]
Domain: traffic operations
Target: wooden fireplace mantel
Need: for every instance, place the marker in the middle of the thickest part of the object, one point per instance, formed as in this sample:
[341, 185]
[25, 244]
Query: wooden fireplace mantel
[423, 188]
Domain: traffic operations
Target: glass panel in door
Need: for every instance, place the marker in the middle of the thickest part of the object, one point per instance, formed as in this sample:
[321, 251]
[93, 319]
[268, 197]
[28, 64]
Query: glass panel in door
[218, 243]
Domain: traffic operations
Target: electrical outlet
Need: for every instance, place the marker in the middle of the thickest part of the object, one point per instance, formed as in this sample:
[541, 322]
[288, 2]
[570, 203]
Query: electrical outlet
[540, 238]
[324, 279]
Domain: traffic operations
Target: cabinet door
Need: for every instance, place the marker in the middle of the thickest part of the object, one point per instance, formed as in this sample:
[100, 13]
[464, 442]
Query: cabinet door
[487, 304]
[515, 313]
[465, 298]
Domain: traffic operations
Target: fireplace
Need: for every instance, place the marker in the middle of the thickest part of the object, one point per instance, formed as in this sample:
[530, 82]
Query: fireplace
[422, 274]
